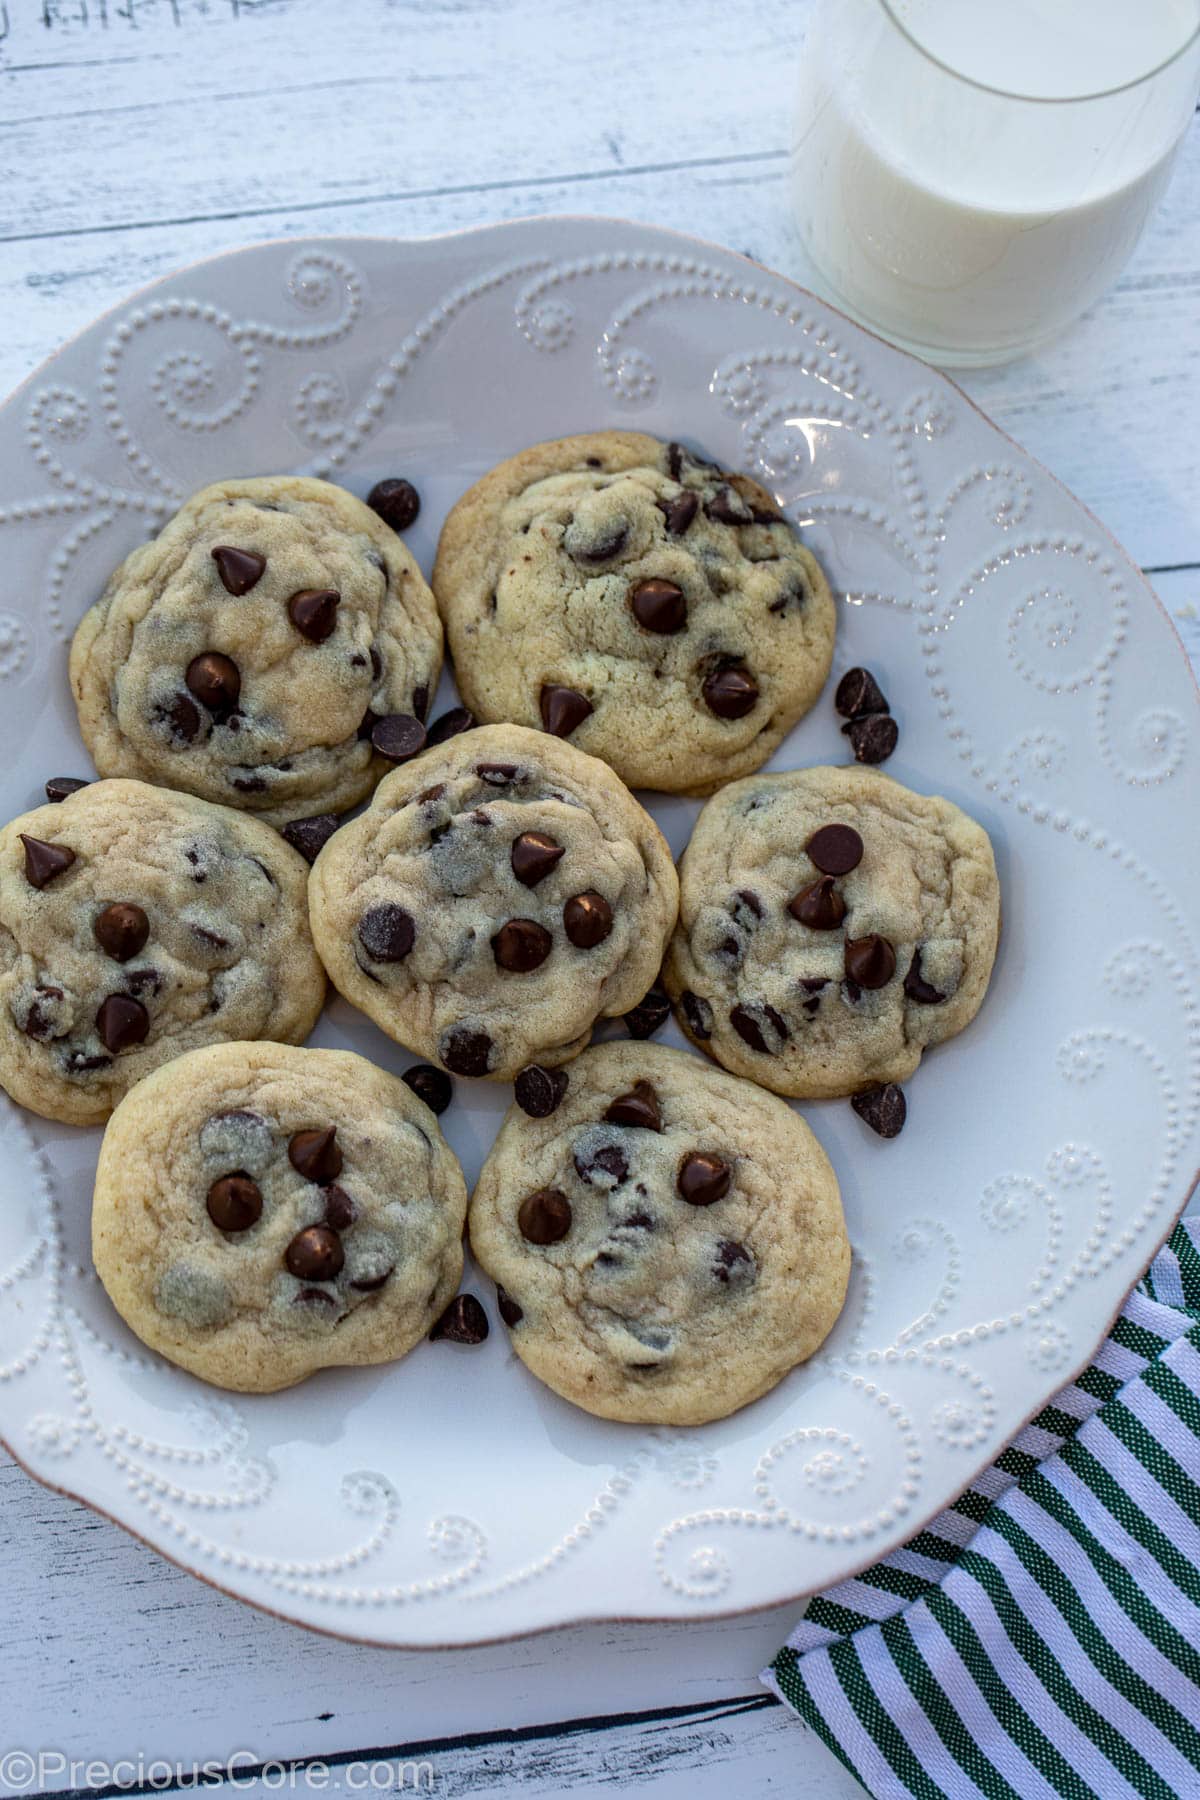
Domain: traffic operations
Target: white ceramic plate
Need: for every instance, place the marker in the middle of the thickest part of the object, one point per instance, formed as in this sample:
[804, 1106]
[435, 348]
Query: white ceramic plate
[451, 1499]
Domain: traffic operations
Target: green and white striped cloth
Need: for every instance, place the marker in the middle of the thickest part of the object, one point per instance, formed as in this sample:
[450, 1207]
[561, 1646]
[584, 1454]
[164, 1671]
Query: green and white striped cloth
[1042, 1637]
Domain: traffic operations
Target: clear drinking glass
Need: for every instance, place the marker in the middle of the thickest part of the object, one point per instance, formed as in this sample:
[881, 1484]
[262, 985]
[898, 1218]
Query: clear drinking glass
[969, 175]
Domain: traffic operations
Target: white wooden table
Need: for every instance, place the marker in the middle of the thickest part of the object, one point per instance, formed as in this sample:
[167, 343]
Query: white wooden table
[137, 135]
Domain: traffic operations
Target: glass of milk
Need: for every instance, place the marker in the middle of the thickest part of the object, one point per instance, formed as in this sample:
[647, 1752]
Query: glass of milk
[969, 175]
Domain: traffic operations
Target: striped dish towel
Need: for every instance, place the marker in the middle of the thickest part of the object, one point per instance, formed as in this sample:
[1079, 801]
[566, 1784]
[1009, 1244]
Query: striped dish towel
[1042, 1636]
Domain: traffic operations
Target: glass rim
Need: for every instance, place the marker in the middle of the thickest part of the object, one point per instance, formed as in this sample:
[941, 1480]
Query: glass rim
[984, 87]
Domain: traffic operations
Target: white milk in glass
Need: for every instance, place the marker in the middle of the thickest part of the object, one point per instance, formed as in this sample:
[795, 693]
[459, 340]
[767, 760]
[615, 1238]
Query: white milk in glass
[969, 222]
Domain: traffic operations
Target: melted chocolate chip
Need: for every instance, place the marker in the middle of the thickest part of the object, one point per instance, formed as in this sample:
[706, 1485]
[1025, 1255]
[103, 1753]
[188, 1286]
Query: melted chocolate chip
[310, 836]
[41, 1016]
[396, 501]
[315, 1254]
[538, 1091]
[463, 1322]
[44, 861]
[590, 552]
[680, 511]
[870, 961]
[836, 849]
[639, 1108]
[449, 724]
[609, 1160]
[248, 784]
[884, 1109]
[239, 570]
[873, 738]
[370, 1284]
[703, 1179]
[313, 611]
[859, 693]
[649, 1015]
[216, 682]
[734, 1265]
[235, 1202]
[61, 787]
[587, 920]
[563, 709]
[387, 932]
[421, 702]
[398, 736]
[697, 1012]
[497, 774]
[533, 855]
[819, 905]
[143, 981]
[316, 1154]
[122, 1023]
[748, 1028]
[728, 508]
[658, 606]
[521, 945]
[730, 693]
[121, 930]
[466, 1052]
[431, 1085]
[916, 986]
[340, 1210]
[181, 716]
[507, 1307]
[544, 1217]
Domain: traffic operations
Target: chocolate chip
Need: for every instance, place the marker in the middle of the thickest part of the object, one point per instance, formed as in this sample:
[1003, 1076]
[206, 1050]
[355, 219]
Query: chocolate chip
[544, 1217]
[533, 855]
[449, 724]
[315, 1254]
[813, 985]
[367, 725]
[749, 1029]
[313, 611]
[507, 1307]
[386, 932]
[467, 1052]
[431, 1085]
[819, 905]
[421, 702]
[697, 1012]
[730, 693]
[370, 1284]
[649, 1015]
[396, 501]
[916, 986]
[497, 774]
[658, 606]
[870, 961]
[216, 682]
[122, 1023]
[316, 1299]
[181, 716]
[44, 861]
[680, 511]
[428, 795]
[310, 836]
[639, 1108]
[77, 1062]
[41, 1017]
[874, 738]
[859, 693]
[60, 787]
[538, 1091]
[235, 1202]
[398, 736]
[521, 945]
[728, 508]
[316, 1154]
[587, 920]
[836, 849]
[884, 1109]
[340, 1210]
[239, 569]
[121, 930]
[608, 1160]
[463, 1322]
[248, 784]
[595, 550]
[703, 1179]
[143, 981]
[734, 1263]
[563, 709]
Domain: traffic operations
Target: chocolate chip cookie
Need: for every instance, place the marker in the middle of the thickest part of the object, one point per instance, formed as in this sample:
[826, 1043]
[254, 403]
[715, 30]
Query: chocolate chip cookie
[832, 926]
[629, 595]
[274, 648]
[261, 1212]
[499, 896]
[136, 923]
[668, 1242]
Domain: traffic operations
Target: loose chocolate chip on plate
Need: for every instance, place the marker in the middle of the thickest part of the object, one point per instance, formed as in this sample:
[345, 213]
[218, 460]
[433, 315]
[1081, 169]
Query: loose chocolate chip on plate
[235, 1202]
[533, 855]
[836, 849]
[121, 930]
[122, 1023]
[316, 1154]
[697, 1012]
[313, 611]
[44, 861]
[649, 1015]
[507, 1307]
[680, 511]
[587, 920]
[819, 905]
[873, 738]
[884, 1109]
[60, 787]
[730, 693]
[658, 606]
[396, 501]
[538, 1091]
[463, 1322]
[870, 961]
[544, 1217]
[639, 1107]
[398, 736]
[386, 932]
[521, 945]
[310, 836]
[315, 1254]
[216, 682]
[859, 693]
[431, 1085]
[916, 986]
[563, 709]
[467, 1052]
[340, 1210]
[239, 569]
[449, 724]
[703, 1179]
